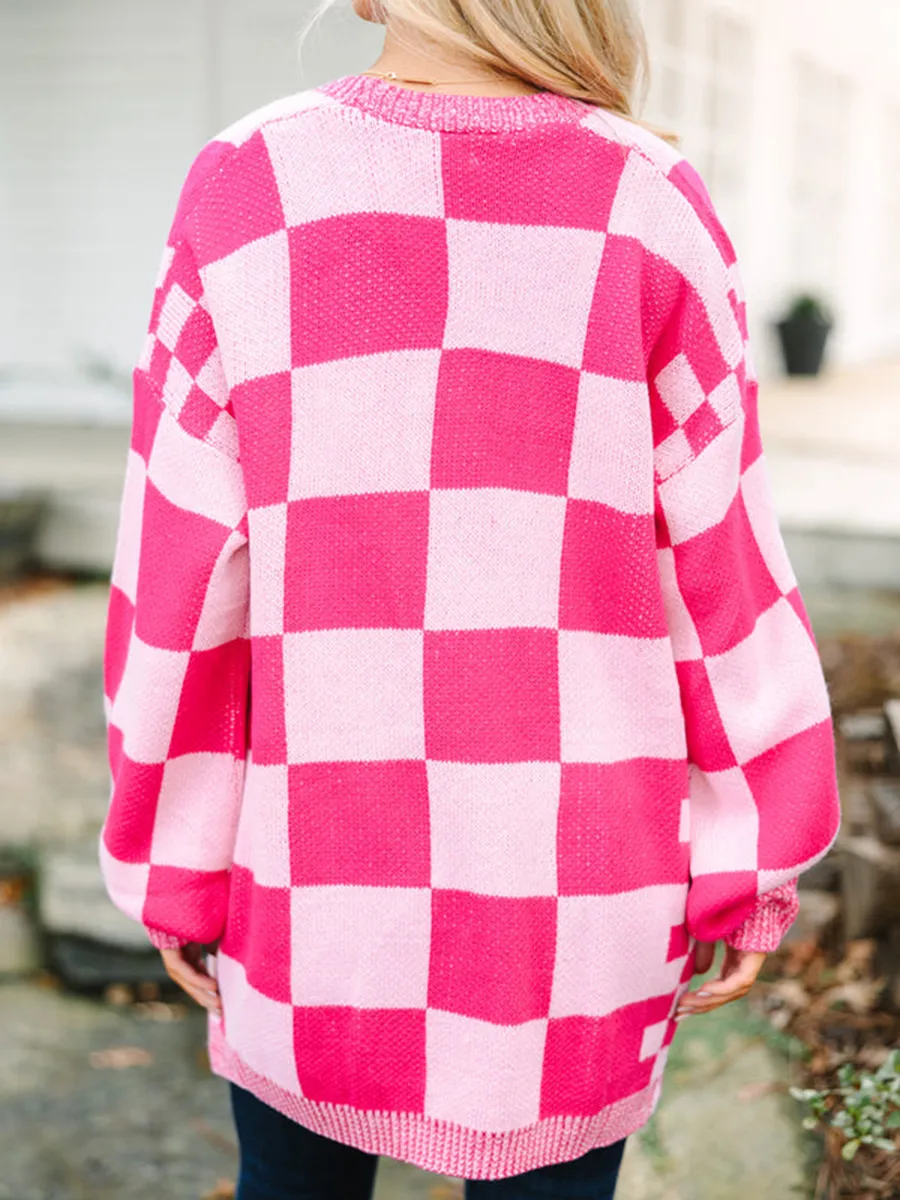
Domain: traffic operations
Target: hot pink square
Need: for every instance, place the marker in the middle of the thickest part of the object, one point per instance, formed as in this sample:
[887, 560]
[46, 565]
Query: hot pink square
[196, 341]
[132, 811]
[199, 414]
[261, 405]
[725, 605]
[213, 692]
[614, 343]
[267, 728]
[491, 695]
[240, 203]
[171, 584]
[356, 562]
[492, 956]
[810, 755]
[472, 169]
[600, 807]
[359, 823]
[483, 1076]
[609, 577]
[615, 1041]
[178, 899]
[347, 265]
[365, 947]
[487, 402]
[718, 902]
[708, 745]
[119, 628]
[371, 1059]
[146, 703]
[258, 934]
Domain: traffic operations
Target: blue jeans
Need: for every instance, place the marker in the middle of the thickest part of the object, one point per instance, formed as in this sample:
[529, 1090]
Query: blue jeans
[281, 1160]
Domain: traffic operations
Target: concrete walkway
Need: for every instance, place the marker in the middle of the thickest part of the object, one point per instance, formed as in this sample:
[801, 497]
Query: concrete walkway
[99, 1103]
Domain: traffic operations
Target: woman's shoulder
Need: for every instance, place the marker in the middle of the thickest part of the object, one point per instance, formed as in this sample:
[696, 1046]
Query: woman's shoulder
[233, 154]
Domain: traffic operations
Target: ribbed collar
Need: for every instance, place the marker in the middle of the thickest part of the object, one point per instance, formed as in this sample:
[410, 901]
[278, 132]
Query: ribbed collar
[451, 113]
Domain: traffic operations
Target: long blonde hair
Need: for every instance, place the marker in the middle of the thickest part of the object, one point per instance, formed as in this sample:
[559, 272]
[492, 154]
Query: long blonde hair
[591, 50]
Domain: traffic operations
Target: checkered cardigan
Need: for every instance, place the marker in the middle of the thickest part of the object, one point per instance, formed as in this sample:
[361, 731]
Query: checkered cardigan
[456, 676]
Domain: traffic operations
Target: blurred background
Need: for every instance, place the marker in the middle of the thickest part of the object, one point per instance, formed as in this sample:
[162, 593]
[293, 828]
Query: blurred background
[790, 110]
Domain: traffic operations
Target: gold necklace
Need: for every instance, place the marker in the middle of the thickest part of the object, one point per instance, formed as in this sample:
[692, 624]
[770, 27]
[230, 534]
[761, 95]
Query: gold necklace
[426, 82]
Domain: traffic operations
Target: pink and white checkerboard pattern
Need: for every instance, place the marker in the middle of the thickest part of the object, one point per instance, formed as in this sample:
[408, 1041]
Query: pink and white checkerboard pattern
[456, 674]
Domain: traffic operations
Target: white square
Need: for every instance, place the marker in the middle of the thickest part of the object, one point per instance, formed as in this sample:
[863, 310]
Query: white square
[197, 812]
[492, 266]
[493, 827]
[701, 493]
[756, 492]
[608, 687]
[672, 454]
[493, 559]
[226, 602]
[356, 695]
[371, 166]
[724, 822]
[483, 1076]
[597, 969]
[680, 388]
[195, 476]
[177, 386]
[363, 947]
[262, 843]
[211, 379]
[652, 1039]
[268, 532]
[363, 424]
[260, 1030]
[682, 630]
[127, 559]
[249, 295]
[126, 883]
[612, 457]
[770, 686]
[176, 310]
[684, 824]
[285, 108]
[682, 239]
[726, 399]
[146, 703]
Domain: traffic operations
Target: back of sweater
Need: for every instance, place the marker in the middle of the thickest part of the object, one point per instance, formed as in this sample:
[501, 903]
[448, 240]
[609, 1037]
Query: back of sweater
[457, 678]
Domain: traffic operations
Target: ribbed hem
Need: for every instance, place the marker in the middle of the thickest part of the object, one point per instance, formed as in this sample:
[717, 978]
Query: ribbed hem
[164, 941]
[439, 1146]
[452, 113]
[764, 930]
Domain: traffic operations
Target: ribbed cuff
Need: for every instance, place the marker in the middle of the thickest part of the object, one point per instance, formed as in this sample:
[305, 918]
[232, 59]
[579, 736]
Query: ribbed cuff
[164, 941]
[764, 929]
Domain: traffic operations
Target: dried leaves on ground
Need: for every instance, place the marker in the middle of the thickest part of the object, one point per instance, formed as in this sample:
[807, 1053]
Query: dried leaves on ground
[832, 1003]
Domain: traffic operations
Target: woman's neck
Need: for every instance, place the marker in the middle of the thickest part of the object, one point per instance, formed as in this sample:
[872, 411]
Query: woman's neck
[453, 74]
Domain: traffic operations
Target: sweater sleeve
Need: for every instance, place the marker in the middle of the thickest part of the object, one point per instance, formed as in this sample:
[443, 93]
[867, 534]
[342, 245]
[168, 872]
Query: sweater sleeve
[177, 651]
[763, 798]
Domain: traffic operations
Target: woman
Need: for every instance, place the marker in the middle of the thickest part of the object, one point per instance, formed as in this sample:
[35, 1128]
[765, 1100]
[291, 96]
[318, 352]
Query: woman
[459, 689]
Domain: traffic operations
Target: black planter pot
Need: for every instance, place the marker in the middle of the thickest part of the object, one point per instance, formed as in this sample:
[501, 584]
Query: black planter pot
[803, 341]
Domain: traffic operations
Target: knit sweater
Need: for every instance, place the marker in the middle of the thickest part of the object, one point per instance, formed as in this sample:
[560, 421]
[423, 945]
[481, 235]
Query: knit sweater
[457, 679]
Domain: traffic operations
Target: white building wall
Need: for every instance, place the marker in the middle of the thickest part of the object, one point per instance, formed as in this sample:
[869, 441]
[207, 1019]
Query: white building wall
[791, 114]
[789, 109]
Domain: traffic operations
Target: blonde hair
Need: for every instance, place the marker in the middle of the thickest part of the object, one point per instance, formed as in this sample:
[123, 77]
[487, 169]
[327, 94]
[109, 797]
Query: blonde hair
[591, 50]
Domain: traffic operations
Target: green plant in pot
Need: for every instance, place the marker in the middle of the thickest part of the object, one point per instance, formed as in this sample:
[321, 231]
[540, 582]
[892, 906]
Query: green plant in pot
[804, 334]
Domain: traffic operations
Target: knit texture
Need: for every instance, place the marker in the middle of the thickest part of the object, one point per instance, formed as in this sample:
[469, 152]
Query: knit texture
[457, 678]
